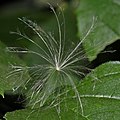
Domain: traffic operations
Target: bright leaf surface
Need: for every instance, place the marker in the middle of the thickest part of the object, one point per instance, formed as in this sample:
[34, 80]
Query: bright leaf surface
[106, 27]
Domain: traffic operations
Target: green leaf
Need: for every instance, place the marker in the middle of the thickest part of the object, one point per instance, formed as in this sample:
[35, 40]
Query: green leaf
[106, 28]
[99, 94]
[6, 60]
[37, 114]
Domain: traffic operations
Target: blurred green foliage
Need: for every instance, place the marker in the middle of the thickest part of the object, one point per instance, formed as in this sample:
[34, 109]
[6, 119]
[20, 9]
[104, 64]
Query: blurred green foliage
[97, 96]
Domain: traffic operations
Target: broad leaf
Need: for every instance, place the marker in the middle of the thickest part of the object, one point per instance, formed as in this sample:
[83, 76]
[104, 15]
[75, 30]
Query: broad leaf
[106, 27]
[99, 93]
[37, 114]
